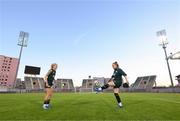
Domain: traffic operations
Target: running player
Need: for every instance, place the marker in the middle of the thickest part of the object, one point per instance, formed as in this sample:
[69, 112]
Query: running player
[49, 78]
[115, 82]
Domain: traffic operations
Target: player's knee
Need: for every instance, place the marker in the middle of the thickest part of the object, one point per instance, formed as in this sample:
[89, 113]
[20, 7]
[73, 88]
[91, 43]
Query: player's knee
[50, 96]
[116, 91]
[110, 83]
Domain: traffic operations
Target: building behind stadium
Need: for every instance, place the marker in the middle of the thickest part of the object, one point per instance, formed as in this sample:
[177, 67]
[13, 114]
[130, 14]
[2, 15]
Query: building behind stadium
[8, 67]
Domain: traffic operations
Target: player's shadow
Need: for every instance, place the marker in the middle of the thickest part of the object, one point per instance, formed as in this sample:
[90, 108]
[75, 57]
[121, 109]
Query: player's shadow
[83, 103]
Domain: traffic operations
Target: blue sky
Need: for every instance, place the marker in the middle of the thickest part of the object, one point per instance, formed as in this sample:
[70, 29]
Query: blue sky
[85, 37]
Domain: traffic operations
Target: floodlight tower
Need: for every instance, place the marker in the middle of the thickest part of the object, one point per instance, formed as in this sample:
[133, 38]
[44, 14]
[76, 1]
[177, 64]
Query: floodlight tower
[163, 42]
[22, 42]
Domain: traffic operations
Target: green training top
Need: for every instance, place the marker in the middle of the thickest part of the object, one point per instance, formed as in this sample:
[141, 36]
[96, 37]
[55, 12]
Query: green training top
[117, 75]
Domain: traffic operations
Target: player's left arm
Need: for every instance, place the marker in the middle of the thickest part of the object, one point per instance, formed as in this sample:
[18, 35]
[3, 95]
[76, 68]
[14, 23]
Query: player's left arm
[125, 76]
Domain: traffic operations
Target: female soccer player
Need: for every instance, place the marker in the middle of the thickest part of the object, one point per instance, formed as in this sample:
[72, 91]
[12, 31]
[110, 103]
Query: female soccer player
[49, 78]
[115, 82]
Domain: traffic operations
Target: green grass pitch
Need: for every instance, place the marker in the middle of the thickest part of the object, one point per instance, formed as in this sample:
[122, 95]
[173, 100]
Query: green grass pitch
[89, 106]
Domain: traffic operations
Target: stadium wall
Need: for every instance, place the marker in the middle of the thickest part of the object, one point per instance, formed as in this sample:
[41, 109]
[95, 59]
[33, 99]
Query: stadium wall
[155, 90]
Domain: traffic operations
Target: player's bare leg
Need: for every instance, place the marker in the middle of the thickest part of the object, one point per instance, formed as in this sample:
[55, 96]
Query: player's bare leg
[47, 98]
[109, 84]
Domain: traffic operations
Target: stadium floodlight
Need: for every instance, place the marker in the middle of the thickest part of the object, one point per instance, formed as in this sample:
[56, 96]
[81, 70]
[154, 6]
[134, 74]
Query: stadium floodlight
[22, 42]
[23, 39]
[163, 42]
[162, 37]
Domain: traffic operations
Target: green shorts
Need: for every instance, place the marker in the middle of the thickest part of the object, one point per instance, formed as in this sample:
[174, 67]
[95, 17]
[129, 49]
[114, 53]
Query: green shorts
[50, 83]
[117, 84]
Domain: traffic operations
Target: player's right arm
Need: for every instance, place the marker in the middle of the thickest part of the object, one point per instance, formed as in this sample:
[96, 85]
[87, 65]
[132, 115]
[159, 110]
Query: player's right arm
[111, 79]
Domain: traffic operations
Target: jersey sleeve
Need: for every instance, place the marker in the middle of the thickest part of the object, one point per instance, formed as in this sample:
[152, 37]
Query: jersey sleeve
[114, 74]
[48, 73]
[122, 72]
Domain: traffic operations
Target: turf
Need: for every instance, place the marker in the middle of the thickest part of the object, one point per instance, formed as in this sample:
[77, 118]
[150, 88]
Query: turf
[88, 106]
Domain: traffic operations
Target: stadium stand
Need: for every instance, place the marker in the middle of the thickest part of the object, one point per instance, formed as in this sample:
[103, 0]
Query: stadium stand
[64, 85]
[41, 83]
[145, 82]
[178, 79]
[37, 84]
[34, 83]
[88, 85]
[19, 84]
[28, 83]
